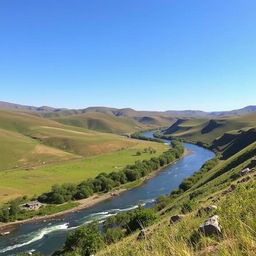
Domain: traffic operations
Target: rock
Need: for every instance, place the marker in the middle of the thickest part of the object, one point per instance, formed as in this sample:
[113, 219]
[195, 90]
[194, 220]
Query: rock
[230, 189]
[143, 234]
[208, 209]
[175, 218]
[245, 179]
[245, 171]
[211, 226]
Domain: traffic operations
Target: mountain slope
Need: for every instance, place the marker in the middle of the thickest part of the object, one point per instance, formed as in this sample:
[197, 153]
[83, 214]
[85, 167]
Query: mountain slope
[102, 122]
[207, 130]
[30, 141]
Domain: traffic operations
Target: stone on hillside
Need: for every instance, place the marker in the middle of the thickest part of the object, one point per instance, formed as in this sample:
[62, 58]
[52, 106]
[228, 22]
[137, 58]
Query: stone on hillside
[245, 171]
[211, 226]
[208, 209]
[143, 234]
[176, 218]
[245, 179]
[230, 189]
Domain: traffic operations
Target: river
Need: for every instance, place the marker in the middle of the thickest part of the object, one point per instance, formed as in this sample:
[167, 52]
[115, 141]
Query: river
[47, 236]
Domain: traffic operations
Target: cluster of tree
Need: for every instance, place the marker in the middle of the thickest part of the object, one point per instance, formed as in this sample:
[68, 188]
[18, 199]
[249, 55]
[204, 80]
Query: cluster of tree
[139, 136]
[87, 240]
[10, 210]
[106, 182]
[146, 150]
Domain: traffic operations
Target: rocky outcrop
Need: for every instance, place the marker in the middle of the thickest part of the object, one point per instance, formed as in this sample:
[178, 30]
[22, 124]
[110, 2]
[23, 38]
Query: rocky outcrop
[211, 226]
[245, 171]
[230, 189]
[245, 179]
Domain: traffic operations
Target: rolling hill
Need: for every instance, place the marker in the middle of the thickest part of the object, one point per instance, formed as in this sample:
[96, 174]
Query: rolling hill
[126, 120]
[210, 132]
[40, 151]
[28, 141]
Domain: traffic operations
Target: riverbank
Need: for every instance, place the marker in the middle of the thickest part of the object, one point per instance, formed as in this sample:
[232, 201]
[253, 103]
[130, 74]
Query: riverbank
[90, 201]
[83, 204]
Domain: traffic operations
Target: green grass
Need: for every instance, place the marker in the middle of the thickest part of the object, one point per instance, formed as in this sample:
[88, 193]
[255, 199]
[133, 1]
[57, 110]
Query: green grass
[28, 141]
[14, 183]
[199, 129]
[102, 122]
[236, 210]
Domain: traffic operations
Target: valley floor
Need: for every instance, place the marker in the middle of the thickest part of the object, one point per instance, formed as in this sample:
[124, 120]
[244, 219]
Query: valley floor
[88, 202]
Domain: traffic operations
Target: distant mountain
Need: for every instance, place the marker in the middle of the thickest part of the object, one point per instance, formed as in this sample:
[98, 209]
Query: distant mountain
[13, 106]
[51, 112]
[241, 111]
[199, 113]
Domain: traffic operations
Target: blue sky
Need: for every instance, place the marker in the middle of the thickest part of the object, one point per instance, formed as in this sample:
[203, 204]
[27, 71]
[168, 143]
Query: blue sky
[144, 54]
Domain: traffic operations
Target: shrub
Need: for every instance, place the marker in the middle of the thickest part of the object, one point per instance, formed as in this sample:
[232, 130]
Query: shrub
[86, 240]
[140, 218]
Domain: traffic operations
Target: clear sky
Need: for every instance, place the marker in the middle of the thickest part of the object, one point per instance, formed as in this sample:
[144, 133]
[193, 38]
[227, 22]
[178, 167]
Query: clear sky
[144, 54]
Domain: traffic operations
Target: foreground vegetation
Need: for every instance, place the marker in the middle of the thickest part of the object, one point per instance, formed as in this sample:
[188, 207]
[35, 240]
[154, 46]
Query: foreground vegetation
[218, 182]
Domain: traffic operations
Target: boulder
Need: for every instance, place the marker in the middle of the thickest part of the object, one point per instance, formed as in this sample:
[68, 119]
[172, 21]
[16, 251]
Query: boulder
[245, 179]
[176, 218]
[143, 234]
[245, 171]
[208, 209]
[211, 226]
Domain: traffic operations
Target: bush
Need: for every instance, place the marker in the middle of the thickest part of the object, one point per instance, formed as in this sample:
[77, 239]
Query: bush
[86, 240]
[140, 218]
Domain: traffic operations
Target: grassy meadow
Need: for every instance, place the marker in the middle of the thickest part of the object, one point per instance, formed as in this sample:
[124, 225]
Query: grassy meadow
[17, 182]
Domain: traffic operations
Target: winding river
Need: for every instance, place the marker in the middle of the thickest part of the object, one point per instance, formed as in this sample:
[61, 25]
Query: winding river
[47, 236]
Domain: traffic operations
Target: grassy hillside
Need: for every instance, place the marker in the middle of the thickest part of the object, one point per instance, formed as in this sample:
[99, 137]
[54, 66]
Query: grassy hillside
[102, 122]
[118, 122]
[111, 120]
[28, 141]
[222, 185]
[208, 130]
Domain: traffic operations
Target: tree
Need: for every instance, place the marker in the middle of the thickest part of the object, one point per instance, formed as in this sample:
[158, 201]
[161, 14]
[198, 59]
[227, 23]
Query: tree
[140, 218]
